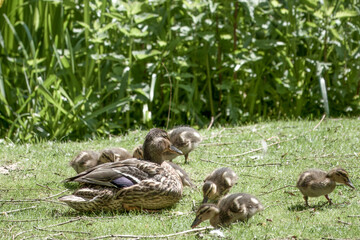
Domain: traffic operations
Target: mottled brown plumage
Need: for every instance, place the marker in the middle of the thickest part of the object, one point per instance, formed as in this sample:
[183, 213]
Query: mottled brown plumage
[218, 183]
[231, 208]
[316, 182]
[130, 184]
[185, 178]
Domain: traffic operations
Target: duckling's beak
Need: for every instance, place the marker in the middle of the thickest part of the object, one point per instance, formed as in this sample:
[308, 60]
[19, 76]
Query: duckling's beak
[350, 184]
[196, 222]
[205, 199]
[173, 149]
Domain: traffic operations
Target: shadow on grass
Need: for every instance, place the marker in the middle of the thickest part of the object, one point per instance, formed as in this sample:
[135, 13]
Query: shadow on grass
[105, 214]
[301, 207]
[71, 185]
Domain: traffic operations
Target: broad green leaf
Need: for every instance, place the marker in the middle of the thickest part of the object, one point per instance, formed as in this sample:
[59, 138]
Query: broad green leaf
[226, 36]
[47, 95]
[134, 32]
[144, 16]
[64, 62]
[346, 13]
[335, 33]
[119, 103]
[135, 7]
[140, 55]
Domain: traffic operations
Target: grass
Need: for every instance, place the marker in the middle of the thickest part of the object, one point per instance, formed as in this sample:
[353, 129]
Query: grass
[41, 168]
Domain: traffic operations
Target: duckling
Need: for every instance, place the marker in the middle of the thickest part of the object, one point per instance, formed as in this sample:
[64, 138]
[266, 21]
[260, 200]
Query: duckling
[316, 182]
[114, 155]
[185, 179]
[84, 160]
[131, 184]
[231, 208]
[218, 183]
[184, 138]
[138, 152]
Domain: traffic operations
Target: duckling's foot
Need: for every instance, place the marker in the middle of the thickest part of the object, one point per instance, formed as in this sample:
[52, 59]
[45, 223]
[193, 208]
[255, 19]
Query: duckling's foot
[329, 200]
[186, 158]
[306, 201]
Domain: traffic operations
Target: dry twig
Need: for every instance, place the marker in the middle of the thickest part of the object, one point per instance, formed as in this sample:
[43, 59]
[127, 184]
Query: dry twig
[346, 223]
[63, 223]
[61, 231]
[276, 190]
[36, 199]
[155, 236]
[170, 97]
[17, 210]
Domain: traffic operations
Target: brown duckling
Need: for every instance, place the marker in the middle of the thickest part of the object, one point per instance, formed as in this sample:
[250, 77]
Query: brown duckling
[84, 160]
[218, 183]
[184, 138]
[138, 152]
[316, 182]
[114, 155]
[185, 178]
[231, 208]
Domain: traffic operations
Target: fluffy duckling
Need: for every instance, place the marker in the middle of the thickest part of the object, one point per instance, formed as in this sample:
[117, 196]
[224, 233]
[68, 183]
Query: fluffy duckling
[138, 152]
[231, 208]
[84, 160]
[184, 138]
[316, 182]
[114, 155]
[218, 183]
[185, 178]
[132, 184]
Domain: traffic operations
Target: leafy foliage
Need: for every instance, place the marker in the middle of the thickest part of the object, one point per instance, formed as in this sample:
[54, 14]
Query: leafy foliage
[72, 69]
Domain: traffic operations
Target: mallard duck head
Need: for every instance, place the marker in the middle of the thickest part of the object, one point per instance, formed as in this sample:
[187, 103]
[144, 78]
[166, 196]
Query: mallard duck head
[209, 191]
[156, 145]
[339, 175]
[206, 211]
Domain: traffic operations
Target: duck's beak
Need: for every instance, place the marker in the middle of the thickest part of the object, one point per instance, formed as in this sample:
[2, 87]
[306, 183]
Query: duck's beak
[205, 199]
[173, 149]
[350, 184]
[196, 222]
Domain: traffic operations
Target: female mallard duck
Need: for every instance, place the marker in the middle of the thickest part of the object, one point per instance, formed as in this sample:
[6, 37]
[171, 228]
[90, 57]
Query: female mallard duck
[130, 184]
[218, 183]
[185, 179]
[316, 182]
[184, 138]
[84, 160]
[231, 208]
[114, 155]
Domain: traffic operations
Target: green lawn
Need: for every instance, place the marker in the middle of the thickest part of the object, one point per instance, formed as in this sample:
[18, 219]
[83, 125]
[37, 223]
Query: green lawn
[292, 147]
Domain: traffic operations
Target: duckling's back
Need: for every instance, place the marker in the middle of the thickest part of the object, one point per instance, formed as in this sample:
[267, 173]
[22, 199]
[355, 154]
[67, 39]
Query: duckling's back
[314, 183]
[238, 207]
[224, 178]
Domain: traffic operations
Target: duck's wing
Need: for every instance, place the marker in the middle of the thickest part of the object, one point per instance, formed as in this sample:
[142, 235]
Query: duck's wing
[118, 174]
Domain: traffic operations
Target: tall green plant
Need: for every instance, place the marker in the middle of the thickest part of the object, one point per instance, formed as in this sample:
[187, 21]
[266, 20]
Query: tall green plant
[75, 70]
